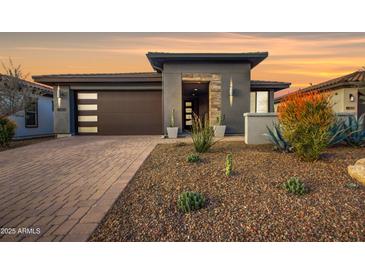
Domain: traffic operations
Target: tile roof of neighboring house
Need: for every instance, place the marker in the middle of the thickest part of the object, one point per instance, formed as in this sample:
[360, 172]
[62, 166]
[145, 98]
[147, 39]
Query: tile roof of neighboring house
[354, 79]
[157, 59]
[44, 89]
[135, 77]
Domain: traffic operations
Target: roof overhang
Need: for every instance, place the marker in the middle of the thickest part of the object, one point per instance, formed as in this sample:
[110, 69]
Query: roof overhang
[158, 59]
[59, 79]
[258, 85]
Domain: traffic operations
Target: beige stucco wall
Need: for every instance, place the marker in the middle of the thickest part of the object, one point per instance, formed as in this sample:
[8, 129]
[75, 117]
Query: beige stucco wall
[341, 100]
[252, 102]
[256, 125]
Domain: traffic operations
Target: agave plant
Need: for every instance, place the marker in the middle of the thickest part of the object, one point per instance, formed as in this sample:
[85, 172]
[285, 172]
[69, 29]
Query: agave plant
[337, 133]
[276, 138]
[355, 130]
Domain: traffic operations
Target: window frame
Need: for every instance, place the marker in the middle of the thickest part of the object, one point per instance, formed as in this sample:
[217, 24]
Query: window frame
[35, 112]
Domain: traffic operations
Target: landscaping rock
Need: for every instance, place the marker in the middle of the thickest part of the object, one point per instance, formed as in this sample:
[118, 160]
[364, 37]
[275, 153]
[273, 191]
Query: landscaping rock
[357, 171]
[249, 206]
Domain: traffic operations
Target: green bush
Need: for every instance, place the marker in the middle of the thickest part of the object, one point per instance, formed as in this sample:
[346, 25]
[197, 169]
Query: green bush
[7, 131]
[229, 164]
[202, 134]
[295, 186]
[305, 120]
[192, 158]
[190, 201]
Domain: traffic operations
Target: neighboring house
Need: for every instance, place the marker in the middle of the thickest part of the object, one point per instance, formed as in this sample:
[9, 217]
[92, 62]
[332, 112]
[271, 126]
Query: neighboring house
[208, 84]
[37, 118]
[348, 92]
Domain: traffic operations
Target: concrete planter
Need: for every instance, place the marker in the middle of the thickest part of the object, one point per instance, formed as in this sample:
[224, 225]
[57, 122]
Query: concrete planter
[219, 131]
[172, 132]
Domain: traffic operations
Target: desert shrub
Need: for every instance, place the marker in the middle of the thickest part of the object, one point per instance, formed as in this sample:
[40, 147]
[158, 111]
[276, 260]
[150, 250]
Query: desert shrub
[189, 201]
[202, 134]
[7, 131]
[229, 164]
[305, 119]
[275, 136]
[295, 186]
[355, 131]
[192, 158]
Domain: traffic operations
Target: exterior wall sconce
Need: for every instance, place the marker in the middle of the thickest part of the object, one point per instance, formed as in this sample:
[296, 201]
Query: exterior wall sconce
[231, 92]
[352, 98]
[60, 95]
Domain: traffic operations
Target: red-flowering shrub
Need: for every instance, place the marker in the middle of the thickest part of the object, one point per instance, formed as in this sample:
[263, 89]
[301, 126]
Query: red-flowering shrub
[305, 119]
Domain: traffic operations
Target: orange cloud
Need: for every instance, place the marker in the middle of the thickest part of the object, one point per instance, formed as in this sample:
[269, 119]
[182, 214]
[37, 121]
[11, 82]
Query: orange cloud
[300, 58]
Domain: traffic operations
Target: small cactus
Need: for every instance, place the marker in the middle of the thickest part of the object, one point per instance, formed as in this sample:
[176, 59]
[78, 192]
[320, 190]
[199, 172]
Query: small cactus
[229, 164]
[189, 201]
[192, 158]
[172, 118]
[295, 186]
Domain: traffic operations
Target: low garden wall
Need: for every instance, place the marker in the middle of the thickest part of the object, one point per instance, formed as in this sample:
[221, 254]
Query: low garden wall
[256, 126]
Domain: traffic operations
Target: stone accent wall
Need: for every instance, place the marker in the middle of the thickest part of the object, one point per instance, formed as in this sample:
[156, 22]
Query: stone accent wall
[215, 91]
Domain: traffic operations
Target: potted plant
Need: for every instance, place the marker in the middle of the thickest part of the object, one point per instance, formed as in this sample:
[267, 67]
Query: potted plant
[172, 129]
[219, 128]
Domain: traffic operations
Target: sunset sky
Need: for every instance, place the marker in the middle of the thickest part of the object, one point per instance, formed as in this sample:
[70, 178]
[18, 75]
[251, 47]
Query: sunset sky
[299, 58]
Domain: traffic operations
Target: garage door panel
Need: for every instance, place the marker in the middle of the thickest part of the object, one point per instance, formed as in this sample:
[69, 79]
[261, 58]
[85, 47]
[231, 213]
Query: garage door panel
[129, 123]
[130, 102]
[88, 124]
[122, 113]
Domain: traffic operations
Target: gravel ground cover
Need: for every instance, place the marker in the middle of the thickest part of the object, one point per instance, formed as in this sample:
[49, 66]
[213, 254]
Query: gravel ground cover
[251, 205]
[25, 142]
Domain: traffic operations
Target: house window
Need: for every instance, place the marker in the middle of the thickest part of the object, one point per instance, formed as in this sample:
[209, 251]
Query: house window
[262, 101]
[31, 114]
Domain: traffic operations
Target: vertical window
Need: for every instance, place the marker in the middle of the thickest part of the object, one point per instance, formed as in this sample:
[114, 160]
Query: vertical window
[262, 101]
[31, 114]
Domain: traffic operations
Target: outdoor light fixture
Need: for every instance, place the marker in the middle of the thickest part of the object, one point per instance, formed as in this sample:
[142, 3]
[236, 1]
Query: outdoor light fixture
[231, 92]
[352, 98]
[59, 94]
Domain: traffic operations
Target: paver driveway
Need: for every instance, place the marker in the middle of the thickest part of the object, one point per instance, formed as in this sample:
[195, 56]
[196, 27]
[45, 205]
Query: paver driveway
[59, 190]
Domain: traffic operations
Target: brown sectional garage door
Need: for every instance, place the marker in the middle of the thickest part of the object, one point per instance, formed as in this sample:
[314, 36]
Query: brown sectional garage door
[120, 112]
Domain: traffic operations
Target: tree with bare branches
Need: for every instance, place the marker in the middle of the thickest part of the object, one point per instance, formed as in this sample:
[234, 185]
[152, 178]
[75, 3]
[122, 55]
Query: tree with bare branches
[15, 93]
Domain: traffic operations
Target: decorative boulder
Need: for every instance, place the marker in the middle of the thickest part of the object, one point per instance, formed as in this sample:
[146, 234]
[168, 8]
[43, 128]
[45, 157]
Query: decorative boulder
[357, 171]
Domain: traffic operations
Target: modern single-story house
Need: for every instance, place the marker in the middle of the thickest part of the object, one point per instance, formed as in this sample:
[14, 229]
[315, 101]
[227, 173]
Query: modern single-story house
[348, 92]
[37, 118]
[208, 84]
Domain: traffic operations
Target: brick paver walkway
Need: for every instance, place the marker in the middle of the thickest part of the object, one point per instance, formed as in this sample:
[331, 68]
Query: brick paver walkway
[64, 187]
